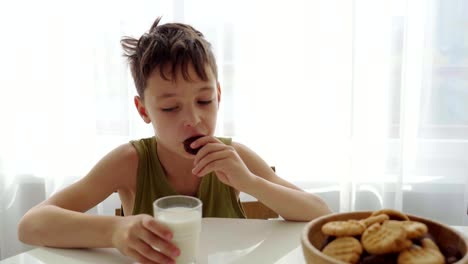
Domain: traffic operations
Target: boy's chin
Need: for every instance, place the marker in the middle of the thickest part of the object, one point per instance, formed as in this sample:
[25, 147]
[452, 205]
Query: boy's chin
[186, 155]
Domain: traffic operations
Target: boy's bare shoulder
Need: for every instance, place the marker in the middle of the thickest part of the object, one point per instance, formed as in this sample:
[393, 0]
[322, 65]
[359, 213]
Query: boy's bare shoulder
[115, 171]
[250, 158]
[126, 153]
[123, 160]
[260, 167]
[118, 168]
[243, 150]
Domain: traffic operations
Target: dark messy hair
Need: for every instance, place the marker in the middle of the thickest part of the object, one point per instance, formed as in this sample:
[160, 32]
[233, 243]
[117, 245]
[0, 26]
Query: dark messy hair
[172, 45]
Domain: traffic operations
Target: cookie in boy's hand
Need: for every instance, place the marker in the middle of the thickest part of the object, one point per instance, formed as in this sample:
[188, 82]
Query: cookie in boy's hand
[189, 141]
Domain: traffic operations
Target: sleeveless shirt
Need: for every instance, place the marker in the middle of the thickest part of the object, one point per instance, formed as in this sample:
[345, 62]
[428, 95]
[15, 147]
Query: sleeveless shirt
[219, 199]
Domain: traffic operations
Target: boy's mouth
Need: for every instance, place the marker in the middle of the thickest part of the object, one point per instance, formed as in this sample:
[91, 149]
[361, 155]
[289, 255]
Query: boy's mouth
[189, 141]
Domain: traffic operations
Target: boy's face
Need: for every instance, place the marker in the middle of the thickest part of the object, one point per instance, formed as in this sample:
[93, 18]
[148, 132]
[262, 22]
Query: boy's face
[180, 109]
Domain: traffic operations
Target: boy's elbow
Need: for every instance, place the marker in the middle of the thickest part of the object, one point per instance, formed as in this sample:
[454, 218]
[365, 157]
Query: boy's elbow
[324, 208]
[320, 209]
[26, 230]
[29, 229]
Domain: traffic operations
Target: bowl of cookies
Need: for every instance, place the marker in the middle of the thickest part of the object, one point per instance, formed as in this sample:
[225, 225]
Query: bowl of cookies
[384, 236]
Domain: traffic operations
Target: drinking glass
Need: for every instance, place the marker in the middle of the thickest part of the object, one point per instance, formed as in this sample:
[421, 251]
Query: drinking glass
[182, 214]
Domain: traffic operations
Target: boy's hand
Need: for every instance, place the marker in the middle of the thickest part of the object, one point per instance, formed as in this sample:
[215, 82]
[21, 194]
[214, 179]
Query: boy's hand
[223, 160]
[135, 236]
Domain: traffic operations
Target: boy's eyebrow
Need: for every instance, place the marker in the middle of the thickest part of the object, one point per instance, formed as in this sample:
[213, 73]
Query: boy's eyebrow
[169, 95]
[205, 88]
[166, 95]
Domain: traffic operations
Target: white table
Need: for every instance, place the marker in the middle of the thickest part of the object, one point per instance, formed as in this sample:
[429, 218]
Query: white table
[222, 241]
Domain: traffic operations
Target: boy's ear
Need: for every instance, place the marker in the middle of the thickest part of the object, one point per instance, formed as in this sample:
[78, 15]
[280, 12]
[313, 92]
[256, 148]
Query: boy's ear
[141, 109]
[218, 89]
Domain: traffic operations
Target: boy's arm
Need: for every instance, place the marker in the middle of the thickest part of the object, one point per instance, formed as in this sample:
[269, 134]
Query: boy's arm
[60, 222]
[289, 201]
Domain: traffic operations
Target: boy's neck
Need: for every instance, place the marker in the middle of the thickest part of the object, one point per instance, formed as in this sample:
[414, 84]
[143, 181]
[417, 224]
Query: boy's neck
[178, 172]
[174, 165]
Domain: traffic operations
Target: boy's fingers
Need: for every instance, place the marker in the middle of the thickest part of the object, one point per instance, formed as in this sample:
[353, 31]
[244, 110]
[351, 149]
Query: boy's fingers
[157, 228]
[203, 141]
[209, 162]
[164, 246]
[151, 254]
[206, 150]
[138, 257]
[211, 166]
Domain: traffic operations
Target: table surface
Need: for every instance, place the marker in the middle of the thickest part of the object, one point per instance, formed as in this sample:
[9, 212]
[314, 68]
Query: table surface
[222, 241]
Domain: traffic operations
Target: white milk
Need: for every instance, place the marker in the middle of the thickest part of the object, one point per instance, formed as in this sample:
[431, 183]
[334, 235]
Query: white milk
[185, 224]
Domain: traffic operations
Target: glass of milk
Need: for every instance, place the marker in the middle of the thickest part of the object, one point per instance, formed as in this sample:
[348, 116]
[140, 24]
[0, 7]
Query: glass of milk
[182, 214]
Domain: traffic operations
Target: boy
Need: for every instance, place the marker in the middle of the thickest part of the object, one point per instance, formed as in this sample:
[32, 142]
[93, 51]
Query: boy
[175, 75]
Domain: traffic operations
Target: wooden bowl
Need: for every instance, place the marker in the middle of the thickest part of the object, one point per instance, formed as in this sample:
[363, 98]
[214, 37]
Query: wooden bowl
[312, 238]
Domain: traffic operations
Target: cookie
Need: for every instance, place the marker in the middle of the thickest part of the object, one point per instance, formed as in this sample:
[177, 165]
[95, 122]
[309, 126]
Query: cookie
[429, 253]
[374, 219]
[428, 243]
[189, 141]
[414, 229]
[343, 228]
[386, 236]
[393, 214]
[346, 249]
[383, 239]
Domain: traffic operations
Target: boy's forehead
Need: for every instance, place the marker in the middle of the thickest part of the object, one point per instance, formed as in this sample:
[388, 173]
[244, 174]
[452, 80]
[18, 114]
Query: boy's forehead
[159, 88]
[161, 92]
[175, 79]
[168, 76]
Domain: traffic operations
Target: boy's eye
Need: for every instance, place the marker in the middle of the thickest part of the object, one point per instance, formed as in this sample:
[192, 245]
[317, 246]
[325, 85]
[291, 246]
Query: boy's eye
[169, 109]
[205, 102]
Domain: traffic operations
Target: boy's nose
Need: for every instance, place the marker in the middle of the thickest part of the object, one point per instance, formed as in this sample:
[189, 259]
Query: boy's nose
[191, 118]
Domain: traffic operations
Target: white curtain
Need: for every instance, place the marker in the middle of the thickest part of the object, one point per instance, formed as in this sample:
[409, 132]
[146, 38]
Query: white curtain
[363, 102]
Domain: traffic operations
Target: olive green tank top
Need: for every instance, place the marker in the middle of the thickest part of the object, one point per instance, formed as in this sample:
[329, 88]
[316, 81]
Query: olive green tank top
[219, 199]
